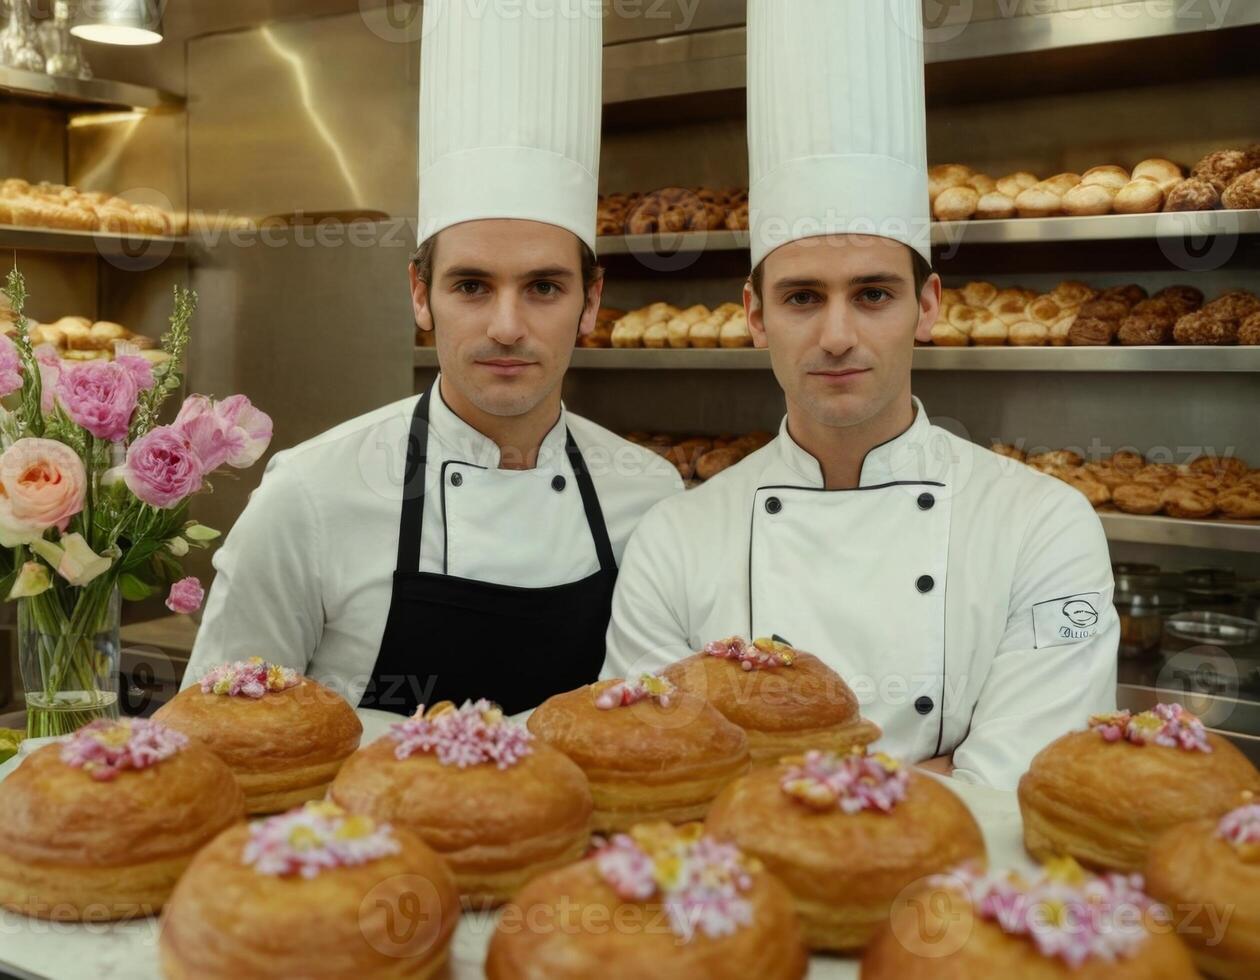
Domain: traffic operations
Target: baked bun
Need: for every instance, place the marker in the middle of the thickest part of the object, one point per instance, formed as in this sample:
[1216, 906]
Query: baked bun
[1105, 794]
[650, 751]
[1088, 199]
[1039, 202]
[995, 205]
[1139, 197]
[956, 204]
[1214, 865]
[1193, 195]
[1165, 173]
[785, 700]
[1012, 185]
[1138, 498]
[1244, 193]
[845, 834]
[314, 892]
[102, 825]
[967, 925]
[663, 903]
[1205, 328]
[496, 804]
[284, 736]
[1221, 168]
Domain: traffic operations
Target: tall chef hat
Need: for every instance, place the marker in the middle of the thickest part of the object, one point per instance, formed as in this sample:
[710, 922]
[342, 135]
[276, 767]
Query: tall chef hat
[837, 126]
[510, 98]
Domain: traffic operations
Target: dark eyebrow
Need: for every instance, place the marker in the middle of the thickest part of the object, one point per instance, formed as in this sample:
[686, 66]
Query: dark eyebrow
[466, 272]
[549, 272]
[875, 278]
[472, 272]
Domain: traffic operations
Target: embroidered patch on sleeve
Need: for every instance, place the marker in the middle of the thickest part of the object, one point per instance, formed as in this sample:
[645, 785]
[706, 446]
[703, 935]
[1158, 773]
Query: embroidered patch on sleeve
[1068, 619]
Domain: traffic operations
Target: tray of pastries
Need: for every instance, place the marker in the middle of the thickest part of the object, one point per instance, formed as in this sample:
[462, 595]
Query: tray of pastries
[80, 338]
[1075, 314]
[700, 458]
[673, 210]
[64, 208]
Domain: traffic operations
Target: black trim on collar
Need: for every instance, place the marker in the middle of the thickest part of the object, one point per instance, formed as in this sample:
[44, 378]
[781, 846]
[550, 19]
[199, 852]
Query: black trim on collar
[442, 484]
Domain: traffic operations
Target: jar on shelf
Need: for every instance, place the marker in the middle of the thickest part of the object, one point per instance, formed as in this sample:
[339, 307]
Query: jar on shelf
[19, 41]
[63, 53]
[1142, 613]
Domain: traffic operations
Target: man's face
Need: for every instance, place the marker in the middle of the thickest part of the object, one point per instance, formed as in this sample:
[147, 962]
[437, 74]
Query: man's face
[840, 315]
[507, 300]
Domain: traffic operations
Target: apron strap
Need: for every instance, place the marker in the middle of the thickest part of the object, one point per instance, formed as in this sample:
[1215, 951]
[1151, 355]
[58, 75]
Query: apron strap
[411, 521]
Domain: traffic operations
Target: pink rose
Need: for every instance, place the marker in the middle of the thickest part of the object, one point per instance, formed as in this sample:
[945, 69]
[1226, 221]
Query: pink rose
[141, 371]
[10, 366]
[49, 371]
[162, 468]
[100, 396]
[42, 485]
[250, 427]
[186, 596]
[232, 431]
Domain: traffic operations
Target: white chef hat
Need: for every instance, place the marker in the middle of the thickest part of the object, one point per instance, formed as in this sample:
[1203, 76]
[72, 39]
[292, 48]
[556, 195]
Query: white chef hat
[837, 126]
[510, 99]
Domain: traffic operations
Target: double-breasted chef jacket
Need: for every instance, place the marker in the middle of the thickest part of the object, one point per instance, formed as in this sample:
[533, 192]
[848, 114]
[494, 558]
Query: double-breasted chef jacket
[306, 576]
[966, 598]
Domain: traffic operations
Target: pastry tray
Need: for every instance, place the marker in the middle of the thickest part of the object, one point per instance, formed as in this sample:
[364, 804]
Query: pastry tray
[33, 949]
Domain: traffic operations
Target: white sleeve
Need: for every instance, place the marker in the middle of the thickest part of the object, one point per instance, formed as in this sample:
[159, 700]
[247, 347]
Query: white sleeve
[266, 597]
[648, 628]
[1056, 664]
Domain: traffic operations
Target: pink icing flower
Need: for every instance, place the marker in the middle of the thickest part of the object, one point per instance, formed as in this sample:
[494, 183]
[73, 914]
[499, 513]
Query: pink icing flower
[1241, 827]
[10, 367]
[106, 747]
[185, 596]
[470, 735]
[628, 692]
[757, 655]
[854, 782]
[1168, 725]
[42, 485]
[49, 371]
[250, 678]
[317, 837]
[100, 396]
[162, 469]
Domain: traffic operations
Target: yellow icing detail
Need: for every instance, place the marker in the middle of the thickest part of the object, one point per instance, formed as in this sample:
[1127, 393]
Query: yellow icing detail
[325, 808]
[655, 685]
[492, 716]
[255, 661]
[887, 762]
[114, 737]
[784, 653]
[303, 838]
[1066, 870]
[441, 708]
[356, 826]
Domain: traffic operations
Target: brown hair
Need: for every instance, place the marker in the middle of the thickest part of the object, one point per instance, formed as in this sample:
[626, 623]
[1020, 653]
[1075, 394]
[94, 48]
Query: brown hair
[424, 257]
[922, 272]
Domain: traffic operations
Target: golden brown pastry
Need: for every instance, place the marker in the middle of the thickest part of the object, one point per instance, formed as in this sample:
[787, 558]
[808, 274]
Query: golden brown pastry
[845, 834]
[1012, 185]
[1182, 299]
[1234, 305]
[1056, 457]
[314, 892]
[945, 334]
[1241, 502]
[1157, 474]
[1138, 498]
[1094, 490]
[102, 825]
[979, 294]
[1211, 869]
[1185, 500]
[1092, 331]
[1028, 334]
[716, 460]
[1212, 464]
[1127, 460]
[1139, 197]
[1060, 183]
[1105, 794]
[956, 204]
[629, 330]
[1109, 475]
[1110, 176]
[945, 176]
[496, 804]
[1249, 331]
[983, 184]
[1205, 328]
[1058, 924]
[679, 328]
[1220, 168]
[734, 333]
[995, 205]
[1192, 195]
[988, 330]
[1011, 452]
[1039, 202]
[1165, 173]
[639, 909]
[1244, 193]
[1072, 293]
[1084, 200]
[284, 736]
[650, 751]
[786, 701]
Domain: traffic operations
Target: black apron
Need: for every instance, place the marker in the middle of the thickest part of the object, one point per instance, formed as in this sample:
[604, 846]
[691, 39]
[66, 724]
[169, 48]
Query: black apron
[453, 639]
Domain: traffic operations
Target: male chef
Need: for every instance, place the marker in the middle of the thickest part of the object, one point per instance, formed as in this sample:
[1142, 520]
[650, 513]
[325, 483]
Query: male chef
[965, 598]
[463, 543]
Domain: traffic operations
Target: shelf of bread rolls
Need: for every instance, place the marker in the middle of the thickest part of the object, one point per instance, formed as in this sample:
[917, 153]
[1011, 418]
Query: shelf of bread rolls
[90, 93]
[53, 217]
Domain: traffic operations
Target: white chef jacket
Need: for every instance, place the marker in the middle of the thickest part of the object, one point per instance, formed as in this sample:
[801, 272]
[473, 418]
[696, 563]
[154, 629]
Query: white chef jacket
[966, 598]
[304, 578]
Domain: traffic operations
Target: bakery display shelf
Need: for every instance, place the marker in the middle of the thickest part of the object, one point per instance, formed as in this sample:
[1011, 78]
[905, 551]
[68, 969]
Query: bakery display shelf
[1215, 534]
[90, 242]
[1096, 359]
[89, 94]
[1134, 41]
[948, 236]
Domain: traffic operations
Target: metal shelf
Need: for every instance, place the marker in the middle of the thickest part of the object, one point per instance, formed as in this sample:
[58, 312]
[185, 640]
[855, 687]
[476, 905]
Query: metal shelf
[91, 243]
[949, 235]
[94, 93]
[1218, 535]
[1077, 359]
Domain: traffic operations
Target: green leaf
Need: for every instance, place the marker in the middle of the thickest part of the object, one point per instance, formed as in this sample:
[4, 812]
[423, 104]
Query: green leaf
[133, 589]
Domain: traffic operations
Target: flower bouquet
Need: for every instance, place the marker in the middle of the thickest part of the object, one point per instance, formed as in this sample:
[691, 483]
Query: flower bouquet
[94, 502]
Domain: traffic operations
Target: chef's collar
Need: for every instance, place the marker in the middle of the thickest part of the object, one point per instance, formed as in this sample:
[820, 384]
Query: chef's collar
[900, 458]
[462, 443]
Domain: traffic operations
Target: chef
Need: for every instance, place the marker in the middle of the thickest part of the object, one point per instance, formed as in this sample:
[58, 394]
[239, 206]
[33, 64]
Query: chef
[966, 598]
[463, 543]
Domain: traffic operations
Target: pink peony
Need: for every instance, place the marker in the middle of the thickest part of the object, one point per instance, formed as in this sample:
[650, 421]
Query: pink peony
[10, 366]
[141, 371]
[100, 396]
[186, 596]
[162, 467]
[42, 485]
[49, 371]
[232, 431]
[250, 427]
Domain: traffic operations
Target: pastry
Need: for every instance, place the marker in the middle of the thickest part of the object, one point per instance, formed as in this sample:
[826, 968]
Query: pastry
[982, 183]
[1183, 299]
[628, 331]
[716, 460]
[678, 329]
[1095, 491]
[1028, 334]
[1127, 460]
[956, 204]
[995, 205]
[1108, 475]
[1241, 502]
[1139, 197]
[102, 825]
[1205, 328]
[1138, 498]
[707, 332]
[785, 700]
[1235, 305]
[979, 294]
[1012, 185]
[1130, 294]
[499, 806]
[845, 834]
[1189, 501]
[1111, 177]
[1039, 202]
[1165, 173]
[1249, 330]
[945, 176]
[1244, 193]
[1009, 451]
[650, 751]
[1105, 794]
[1056, 457]
[1009, 306]
[1220, 168]
[988, 330]
[284, 736]
[734, 332]
[315, 892]
[945, 334]
[1157, 474]
[1192, 195]
[1092, 331]
[1072, 293]
[1060, 184]
[1209, 463]
[737, 218]
[1088, 199]
[659, 902]
[1145, 329]
[1059, 923]
[1211, 868]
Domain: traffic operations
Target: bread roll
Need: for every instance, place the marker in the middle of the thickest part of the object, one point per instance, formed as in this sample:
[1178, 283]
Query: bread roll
[629, 330]
[995, 206]
[979, 293]
[1038, 202]
[1221, 168]
[1139, 197]
[679, 328]
[734, 332]
[656, 335]
[945, 334]
[982, 184]
[1108, 176]
[705, 333]
[1193, 195]
[988, 330]
[1085, 200]
[950, 297]
[963, 317]
[1045, 310]
[956, 204]
[1072, 293]
[945, 176]
[1026, 333]
[1165, 173]
[1009, 306]
[1244, 193]
[1012, 185]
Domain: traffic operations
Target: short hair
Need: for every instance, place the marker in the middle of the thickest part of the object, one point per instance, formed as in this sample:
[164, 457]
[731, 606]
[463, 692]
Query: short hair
[922, 272]
[423, 259]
